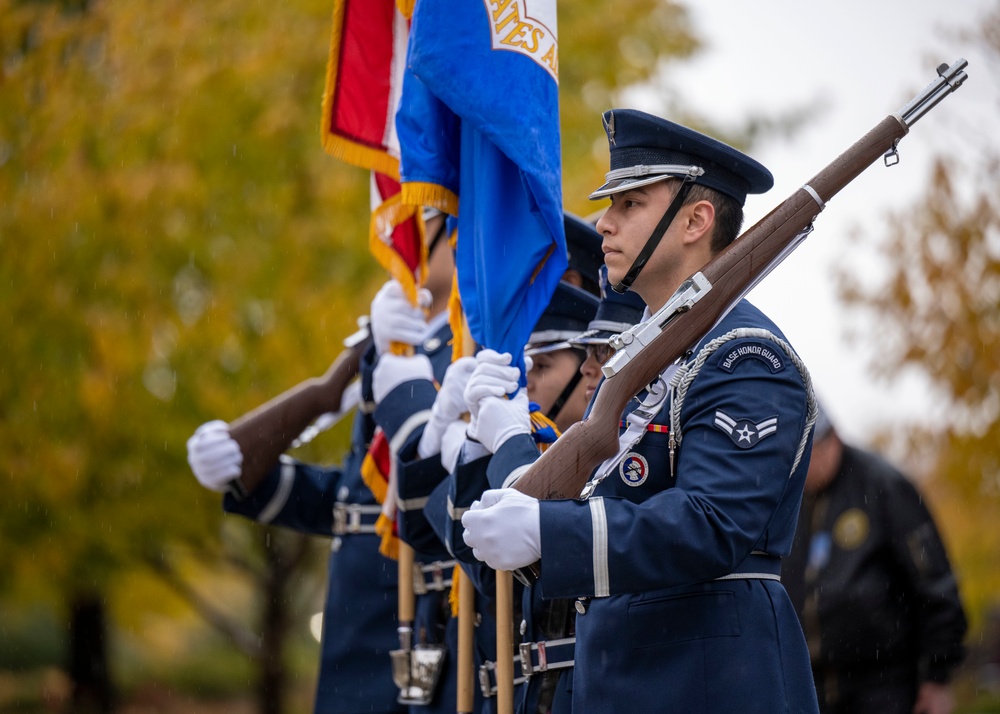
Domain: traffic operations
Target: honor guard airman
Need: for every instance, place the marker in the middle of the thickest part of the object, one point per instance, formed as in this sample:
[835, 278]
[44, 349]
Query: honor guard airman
[421, 421]
[554, 398]
[359, 614]
[673, 552]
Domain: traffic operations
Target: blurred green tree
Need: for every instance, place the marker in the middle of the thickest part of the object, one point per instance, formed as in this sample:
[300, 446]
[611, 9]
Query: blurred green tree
[176, 247]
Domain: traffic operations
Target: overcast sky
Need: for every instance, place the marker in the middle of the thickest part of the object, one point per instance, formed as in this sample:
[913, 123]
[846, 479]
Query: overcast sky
[861, 60]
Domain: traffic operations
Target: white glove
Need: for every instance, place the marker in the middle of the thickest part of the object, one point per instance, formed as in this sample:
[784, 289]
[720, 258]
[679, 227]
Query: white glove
[214, 455]
[392, 370]
[503, 528]
[501, 418]
[493, 377]
[451, 444]
[395, 319]
[449, 405]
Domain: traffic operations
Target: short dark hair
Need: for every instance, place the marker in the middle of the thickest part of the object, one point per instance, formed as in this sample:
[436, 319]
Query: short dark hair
[728, 215]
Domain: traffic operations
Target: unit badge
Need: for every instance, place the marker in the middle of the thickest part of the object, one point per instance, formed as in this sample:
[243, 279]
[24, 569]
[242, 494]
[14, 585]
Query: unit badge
[634, 469]
[745, 432]
[851, 529]
[759, 351]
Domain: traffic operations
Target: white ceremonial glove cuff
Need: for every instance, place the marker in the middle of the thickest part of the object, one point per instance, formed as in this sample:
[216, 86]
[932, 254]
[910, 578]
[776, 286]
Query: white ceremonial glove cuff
[500, 419]
[393, 370]
[451, 444]
[503, 528]
[449, 405]
[214, 456]
[395, 319]
[493, 377]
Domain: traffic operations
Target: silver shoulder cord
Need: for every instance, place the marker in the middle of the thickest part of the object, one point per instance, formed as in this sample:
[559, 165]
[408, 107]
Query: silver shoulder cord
[674, 383]
[684, 376]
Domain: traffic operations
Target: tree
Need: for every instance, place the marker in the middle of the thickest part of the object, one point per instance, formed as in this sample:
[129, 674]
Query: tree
[938, 311]
[161, 185]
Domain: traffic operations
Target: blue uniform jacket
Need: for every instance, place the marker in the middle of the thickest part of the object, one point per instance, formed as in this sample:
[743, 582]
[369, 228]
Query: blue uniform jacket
[359, 616]
[443, 511]
[645, 554]
[402, 415]
[465, 485]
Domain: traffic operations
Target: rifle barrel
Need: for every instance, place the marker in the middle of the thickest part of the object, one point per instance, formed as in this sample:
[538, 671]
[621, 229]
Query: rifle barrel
[565, 467]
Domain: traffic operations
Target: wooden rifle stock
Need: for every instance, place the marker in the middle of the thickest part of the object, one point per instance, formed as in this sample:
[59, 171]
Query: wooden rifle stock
[268, 431]
[565, 468]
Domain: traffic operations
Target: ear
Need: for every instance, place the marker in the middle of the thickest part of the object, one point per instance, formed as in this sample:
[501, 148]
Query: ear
[699, 222]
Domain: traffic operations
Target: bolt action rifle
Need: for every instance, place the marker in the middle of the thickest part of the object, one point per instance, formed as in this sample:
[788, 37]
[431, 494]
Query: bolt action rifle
[644, 351]
[268, 431]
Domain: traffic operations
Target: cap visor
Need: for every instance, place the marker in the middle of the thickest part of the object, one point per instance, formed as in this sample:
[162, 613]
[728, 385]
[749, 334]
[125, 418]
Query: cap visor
[626, 184]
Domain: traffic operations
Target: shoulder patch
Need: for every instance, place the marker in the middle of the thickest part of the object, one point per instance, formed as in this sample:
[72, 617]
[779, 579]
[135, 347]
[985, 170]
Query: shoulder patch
[745, 433]
[752, 350]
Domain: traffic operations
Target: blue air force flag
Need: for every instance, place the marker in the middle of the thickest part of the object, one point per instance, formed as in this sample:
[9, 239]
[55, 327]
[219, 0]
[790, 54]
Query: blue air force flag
[491, 64]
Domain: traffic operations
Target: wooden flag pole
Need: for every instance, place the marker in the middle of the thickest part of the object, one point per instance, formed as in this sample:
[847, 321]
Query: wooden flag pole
[466, 632]
[505, 642]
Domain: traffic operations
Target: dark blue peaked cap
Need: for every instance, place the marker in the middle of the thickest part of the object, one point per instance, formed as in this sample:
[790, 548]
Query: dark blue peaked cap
[616, 313]
[568, 313]
[583, 249]
[645, 149]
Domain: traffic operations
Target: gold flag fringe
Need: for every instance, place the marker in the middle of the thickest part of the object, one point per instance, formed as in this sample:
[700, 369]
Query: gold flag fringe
[419, 193]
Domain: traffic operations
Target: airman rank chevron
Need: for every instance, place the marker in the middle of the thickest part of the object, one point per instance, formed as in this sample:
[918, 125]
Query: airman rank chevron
[754, 350]
[745, 432]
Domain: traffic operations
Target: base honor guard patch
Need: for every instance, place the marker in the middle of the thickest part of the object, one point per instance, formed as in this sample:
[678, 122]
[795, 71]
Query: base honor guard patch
[759, 351]
[634, 469]
[745, 432]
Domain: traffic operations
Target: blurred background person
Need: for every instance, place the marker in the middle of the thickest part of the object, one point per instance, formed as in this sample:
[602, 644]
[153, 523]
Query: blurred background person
[870, 578]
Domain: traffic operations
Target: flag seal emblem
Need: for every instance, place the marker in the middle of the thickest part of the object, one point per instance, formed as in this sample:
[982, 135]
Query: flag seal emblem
[634, 469]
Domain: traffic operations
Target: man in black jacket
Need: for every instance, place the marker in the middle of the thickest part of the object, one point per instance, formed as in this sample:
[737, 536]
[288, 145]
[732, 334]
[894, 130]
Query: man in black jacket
[871, 581]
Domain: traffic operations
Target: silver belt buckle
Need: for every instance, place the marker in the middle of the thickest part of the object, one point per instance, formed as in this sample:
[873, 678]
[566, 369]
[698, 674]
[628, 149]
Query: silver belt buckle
[339, 519]
[484, 679]
[438, 580]
[526, 669]
[346, 518]
[417, 671]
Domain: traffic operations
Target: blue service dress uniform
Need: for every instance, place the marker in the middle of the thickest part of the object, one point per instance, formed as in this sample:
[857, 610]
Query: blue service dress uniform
[360, 612]
[544, 635]
[402, 415]
[674, 558]
[445, 506]
[359, 615]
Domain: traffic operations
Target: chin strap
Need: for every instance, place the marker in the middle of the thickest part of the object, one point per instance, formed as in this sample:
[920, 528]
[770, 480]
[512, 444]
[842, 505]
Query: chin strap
[557, 405]
[654, 239]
